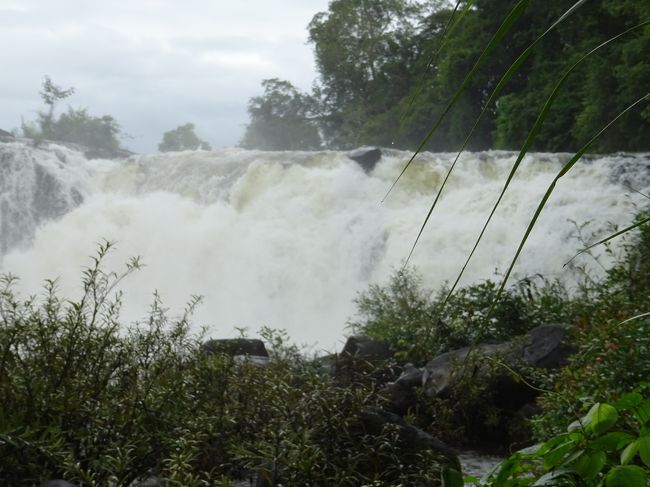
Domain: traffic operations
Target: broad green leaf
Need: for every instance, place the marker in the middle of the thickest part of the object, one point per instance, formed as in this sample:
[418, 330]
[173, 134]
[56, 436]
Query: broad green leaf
[590, 465]
[556, 456]
[451, 478]
[630, 452]
[612, 441]
[644, 450]
[600, 418]
[531, 450]
[629, 400]
[551, 477]
[626, 476]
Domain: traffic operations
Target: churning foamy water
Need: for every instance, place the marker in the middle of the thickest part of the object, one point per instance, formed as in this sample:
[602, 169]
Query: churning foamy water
[287, 239]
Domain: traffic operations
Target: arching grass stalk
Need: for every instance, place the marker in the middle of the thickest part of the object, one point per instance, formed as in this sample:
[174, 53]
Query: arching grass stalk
[534, 131]
[507, 23]
[449, 28]
[514, 67]
[565, 169]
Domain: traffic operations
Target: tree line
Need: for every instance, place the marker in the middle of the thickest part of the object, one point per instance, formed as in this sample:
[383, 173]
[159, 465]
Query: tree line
[387, 69]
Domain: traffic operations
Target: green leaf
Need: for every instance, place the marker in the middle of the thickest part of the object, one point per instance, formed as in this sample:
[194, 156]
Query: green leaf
[551, 477]
[590, 465]
[558, 454]
[612, 441]
[629, 400]
[600, 418]
[451, 478]
[630, 452]
[642, 413]
[644, 450]
[626, 476]
[531, 450]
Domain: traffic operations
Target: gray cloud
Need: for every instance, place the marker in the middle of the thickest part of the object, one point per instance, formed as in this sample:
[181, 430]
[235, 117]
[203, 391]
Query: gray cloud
[154, 64]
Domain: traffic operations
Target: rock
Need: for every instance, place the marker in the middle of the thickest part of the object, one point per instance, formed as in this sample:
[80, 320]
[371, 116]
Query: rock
[543, 347]
[57, 483]
[236, 346]
[4, 135]
[100, 153]
[364, 348]
[401, 394]
[366, 157]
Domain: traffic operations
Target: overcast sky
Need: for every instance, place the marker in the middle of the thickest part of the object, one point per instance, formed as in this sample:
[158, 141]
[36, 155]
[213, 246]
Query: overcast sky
[153, 64]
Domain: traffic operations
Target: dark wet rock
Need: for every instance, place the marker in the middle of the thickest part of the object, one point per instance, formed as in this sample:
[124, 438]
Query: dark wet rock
[401, 393]
[366, 157]
[364, 348]
[236, 346]
[57, 483]
[543, 347]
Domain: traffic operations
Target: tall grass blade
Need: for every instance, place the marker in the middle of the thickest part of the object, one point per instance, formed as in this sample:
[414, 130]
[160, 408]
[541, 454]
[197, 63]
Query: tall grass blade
[497, 89]
[507, 23]
[565, 169]
[532, 134]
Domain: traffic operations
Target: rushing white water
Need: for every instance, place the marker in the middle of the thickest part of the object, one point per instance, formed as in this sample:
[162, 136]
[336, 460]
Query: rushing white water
[287, 239]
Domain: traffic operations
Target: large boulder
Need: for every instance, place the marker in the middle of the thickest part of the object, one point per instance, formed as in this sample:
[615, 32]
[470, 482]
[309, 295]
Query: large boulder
[366, 157]
[364, 348]
[542, 347]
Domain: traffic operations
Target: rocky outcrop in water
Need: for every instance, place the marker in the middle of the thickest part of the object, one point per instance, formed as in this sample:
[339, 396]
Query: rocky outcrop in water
[366, 157]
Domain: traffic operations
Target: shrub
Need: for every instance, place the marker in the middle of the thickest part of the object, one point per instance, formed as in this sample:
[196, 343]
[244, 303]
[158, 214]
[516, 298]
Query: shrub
[87, 399]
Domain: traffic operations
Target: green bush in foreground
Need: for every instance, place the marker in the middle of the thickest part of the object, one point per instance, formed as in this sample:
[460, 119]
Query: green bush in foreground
[86, 399]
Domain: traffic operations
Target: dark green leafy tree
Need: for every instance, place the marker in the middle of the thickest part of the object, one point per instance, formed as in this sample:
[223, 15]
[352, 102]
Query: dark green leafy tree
[182, 138]
[364, 53]
[281, 119]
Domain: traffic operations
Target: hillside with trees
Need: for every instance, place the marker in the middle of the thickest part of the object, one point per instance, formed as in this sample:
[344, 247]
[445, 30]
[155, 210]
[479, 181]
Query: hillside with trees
[388, 68]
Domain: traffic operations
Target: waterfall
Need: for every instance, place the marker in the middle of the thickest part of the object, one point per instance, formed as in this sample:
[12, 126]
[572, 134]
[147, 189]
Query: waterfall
[287, 239]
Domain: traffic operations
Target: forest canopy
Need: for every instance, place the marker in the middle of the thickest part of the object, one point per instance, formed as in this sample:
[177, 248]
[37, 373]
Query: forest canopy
[375, 57]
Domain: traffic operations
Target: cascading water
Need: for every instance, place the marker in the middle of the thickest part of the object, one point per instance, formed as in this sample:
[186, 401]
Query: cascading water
[287, 239]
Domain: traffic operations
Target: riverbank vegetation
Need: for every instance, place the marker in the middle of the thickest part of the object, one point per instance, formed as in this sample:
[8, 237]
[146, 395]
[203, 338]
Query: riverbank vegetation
[90, 399]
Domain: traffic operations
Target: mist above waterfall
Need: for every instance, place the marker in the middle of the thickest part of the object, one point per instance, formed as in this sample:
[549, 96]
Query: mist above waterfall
[287, 239]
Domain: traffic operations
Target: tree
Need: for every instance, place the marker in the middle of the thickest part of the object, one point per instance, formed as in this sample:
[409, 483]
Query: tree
[281, 119]
[182, 138]
[75, 126]
[364, 53]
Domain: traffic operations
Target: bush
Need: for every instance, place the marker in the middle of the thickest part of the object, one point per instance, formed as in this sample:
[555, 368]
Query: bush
[86, 399]
[418, 322]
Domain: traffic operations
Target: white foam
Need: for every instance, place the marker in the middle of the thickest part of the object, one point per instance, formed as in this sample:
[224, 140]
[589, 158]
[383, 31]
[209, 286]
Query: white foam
[287, 239]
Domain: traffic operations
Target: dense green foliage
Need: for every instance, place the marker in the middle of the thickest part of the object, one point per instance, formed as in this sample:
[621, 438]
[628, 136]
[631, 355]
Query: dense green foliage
[415, 321]
[611, 342]
[86, 399]
[75, 125]
[281, 119]
[609, 447]
[376, 58]
[182, 138]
